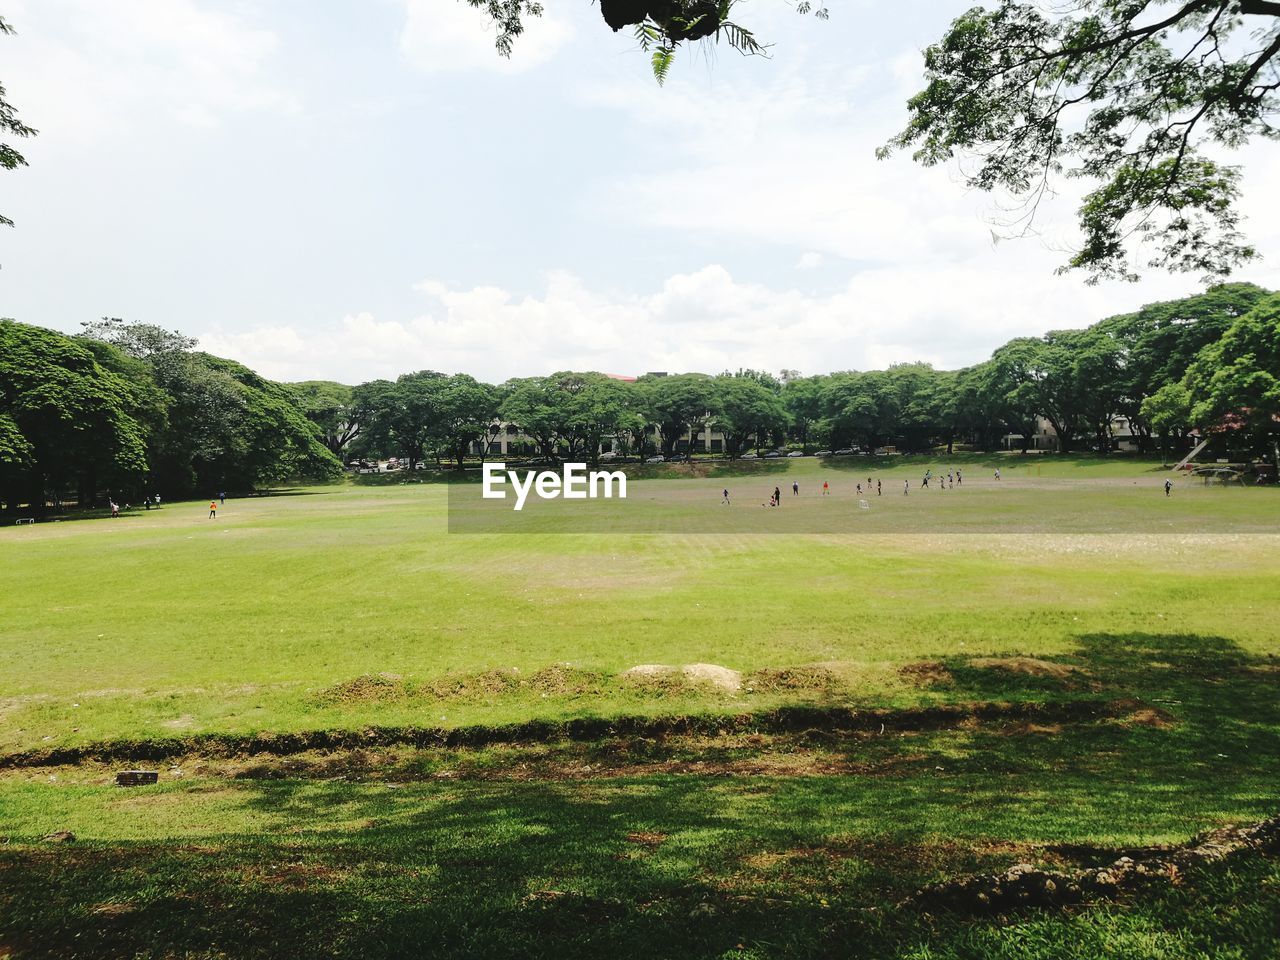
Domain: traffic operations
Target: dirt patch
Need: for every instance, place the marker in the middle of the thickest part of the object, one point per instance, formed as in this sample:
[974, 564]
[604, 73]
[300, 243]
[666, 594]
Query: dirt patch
[810, 677]
[1029, 666]
[1023, 885]
[369, 688]
[926, 673]
[1152, 717]
[184, 722]
[646, 838]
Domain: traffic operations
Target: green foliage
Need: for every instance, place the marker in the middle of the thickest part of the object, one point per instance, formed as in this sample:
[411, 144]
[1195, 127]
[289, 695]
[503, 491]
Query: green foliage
[69, 420]
[1235, 381]
[679, 404]
[1125, 93]
[10, 158]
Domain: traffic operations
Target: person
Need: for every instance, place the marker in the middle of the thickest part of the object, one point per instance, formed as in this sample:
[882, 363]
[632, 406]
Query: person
[222, 496]
[924, 484]
[213, 509]
[146, 503]
[950, 481]
[724, 497]
[860, 489]
[826, 488]
[115, 508]
[997, 473]
[958, 480]
[1168, 485]
[906, 487]
[777, 496]
[877, 488]
[157, 500]
[795, 488]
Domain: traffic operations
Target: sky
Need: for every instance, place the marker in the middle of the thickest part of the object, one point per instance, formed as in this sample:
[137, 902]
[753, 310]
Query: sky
[353, 189]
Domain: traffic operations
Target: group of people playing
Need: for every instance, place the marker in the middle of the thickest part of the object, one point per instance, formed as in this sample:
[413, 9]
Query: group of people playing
[950, 480]
[146, 503]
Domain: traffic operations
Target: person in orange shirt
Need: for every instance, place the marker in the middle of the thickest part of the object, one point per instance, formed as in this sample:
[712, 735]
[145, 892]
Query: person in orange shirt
[213, 509]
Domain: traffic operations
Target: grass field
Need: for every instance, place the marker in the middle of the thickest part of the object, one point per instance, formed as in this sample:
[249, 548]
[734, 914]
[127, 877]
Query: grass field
[351, 608]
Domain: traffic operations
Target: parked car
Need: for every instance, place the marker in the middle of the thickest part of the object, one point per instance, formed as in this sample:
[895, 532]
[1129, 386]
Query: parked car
[844, 452]
[609, 455]
[749, 456]
[823, 453]
[773, 455]
[658, 459]
[678, 458]
[795, 453]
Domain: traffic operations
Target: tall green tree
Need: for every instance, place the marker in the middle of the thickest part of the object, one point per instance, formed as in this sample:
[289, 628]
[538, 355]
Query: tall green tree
[1235, 381]
[680, 405]
[65, 420]
[332, 408]
[745, 408]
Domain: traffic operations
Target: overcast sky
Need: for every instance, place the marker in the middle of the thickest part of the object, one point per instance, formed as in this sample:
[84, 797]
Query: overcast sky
[351, 189]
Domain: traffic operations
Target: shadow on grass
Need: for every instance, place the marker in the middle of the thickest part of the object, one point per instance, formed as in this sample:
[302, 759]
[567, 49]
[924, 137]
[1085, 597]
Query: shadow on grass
[688, 866]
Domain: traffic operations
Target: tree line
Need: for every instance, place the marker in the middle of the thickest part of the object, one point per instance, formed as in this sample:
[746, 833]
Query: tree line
[1208, 361]
[132, 409]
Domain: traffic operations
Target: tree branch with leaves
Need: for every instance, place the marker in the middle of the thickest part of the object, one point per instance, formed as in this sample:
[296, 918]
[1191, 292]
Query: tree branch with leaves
[1126, 92]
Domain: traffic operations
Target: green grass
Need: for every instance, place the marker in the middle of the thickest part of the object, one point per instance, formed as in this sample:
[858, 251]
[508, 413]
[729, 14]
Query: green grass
[166, 624]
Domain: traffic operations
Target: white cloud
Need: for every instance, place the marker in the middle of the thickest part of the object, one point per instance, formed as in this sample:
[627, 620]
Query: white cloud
[445, 35]
[85, 67]
[705, 320]
[809, 261]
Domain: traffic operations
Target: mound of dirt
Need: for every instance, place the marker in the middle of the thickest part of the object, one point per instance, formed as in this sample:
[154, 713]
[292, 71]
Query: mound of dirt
[645, 671]
[714, 674]
[809, 677]
[1029, 666]
[925, 673]
[562, 679]
[363, 689]
[672, 679]
[464, 686]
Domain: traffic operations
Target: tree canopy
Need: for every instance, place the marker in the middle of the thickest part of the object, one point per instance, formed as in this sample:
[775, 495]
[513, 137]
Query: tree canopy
[1131, 94]
[11, 126]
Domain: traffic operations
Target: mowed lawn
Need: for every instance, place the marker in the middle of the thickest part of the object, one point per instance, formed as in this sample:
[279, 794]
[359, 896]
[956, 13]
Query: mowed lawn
[352, 606]
[165, 622]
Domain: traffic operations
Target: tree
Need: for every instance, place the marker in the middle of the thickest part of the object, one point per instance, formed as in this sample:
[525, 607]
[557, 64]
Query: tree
[1159, 342]
[534, 405]
[1235, 382]
[332, 408]
[10, 158]
[746, 408]
[1125, 92]
[803, 399]
[467, 407]
[679, 404]
[64, 419]
[1168, 410]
